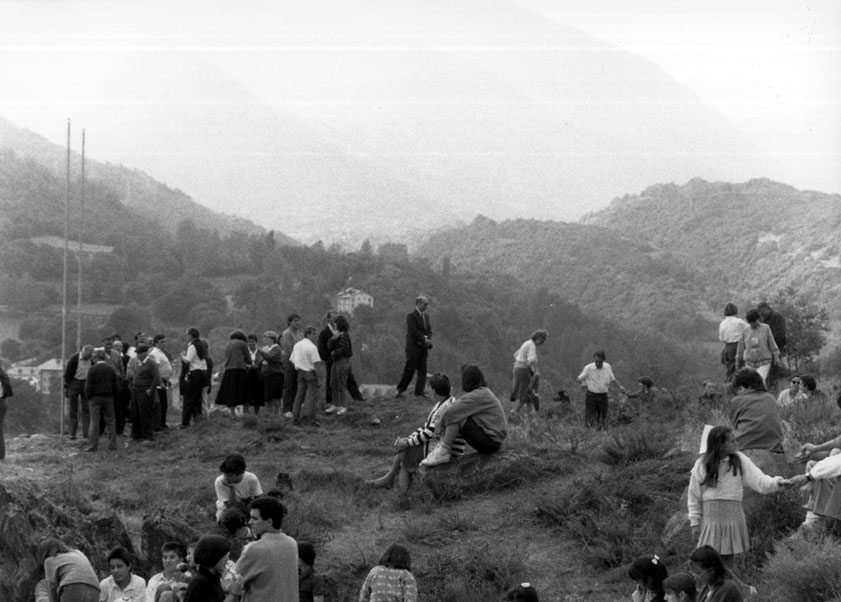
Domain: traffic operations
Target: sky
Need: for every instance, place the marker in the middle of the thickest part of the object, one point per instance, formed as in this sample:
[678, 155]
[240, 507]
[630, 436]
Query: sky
[773, 68]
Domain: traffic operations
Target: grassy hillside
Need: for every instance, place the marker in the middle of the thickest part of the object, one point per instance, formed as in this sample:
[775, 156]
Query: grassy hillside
[566, 508]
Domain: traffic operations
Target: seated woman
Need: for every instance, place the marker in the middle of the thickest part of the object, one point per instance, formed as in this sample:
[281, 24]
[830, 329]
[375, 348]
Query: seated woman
[235, 487]
[409, 451]
[822, 484]
[477, 417]
[753, 414]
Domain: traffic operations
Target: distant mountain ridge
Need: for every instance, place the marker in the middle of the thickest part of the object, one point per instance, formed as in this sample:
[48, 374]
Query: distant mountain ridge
[754, 238]
[135, 189]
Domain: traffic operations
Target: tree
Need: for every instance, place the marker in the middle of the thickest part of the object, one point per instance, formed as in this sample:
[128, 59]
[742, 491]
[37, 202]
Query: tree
[806, 325]
[10, 349]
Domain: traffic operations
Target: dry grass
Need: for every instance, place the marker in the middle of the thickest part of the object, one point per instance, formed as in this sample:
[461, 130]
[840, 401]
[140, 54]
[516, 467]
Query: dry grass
[569, 512]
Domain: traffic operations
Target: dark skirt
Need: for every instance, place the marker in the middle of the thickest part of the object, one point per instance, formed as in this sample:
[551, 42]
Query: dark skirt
[234, 388]
[255, 388]
[273, 386]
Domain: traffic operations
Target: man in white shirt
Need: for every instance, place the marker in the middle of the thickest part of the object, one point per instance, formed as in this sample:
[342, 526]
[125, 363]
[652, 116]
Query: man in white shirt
[596, 379]
[158, 353]
[729, 333]
[305, 357]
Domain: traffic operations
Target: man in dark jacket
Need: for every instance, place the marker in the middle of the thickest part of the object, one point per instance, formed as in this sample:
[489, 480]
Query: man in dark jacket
[777, 324]
[75, 374]
[418, 344]
[101, 388]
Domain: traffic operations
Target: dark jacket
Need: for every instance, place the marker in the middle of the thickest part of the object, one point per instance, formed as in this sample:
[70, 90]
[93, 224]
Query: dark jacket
[417, 328]
[7, 384]
[70, 370]
[204, 587]
[102, 381]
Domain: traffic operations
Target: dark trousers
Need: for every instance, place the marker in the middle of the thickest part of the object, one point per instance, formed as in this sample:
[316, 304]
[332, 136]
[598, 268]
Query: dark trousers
[415, 362]
[352, 385]
[143, 414]
[122, 413]
[478, 439]
[163, 401]
[191, 405]
[102, 407]
[290, 386]
[76, 399]
[338, 381]
[728, 358]
[595, 409]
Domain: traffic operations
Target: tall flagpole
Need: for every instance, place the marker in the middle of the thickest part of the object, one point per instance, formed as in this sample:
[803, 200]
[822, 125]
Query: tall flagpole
[64, 287]
[81, 255]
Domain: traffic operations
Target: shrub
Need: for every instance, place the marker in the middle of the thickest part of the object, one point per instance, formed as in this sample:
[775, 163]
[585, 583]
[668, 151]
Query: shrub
[474, 573]
[636, 443]
[803, 570]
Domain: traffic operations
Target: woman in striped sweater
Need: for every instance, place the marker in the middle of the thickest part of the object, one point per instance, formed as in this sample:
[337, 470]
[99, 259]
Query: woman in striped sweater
[409, 451]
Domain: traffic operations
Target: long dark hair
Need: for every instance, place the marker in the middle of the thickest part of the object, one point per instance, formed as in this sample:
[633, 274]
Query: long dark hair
[715, 455]
[651, 571]
[709, 558]
[472, 378]
[396, 557]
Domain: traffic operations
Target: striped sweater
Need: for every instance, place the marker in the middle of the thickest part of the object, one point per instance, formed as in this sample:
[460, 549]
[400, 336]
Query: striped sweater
[424, 434]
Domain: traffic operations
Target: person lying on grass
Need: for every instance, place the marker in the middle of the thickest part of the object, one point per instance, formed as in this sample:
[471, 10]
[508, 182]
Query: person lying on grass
[409, 451]
[477, 417]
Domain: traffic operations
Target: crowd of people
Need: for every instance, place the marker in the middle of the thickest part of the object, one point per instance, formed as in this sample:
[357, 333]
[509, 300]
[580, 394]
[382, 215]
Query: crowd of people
[253, 560]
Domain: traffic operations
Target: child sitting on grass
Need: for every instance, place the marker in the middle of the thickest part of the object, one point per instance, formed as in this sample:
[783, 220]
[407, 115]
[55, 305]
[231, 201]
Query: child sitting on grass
[649, 573]
[310, 585]
[391, 580]
[173, 553]
[122, 585]
[680, 588]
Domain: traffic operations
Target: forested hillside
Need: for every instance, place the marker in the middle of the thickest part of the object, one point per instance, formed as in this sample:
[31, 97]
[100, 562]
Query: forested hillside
[160, 282]
[149, 198]
[753, 238]
[611, 275]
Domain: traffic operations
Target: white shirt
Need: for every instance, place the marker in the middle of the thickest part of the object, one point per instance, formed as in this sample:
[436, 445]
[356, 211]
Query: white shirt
[135, 591]
[192, 358]
[305, 355]
[597, 379]
[162, 361]
[785, 398]
[730, 329]
[526, 354]
[248, 487]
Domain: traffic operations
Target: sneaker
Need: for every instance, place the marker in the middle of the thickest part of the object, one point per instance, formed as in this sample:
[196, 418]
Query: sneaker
[330, 409]
[288, 415]
[340, 411]
[439, 455]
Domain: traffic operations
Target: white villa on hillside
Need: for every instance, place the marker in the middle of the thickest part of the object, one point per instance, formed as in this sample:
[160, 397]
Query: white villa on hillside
[351, 298]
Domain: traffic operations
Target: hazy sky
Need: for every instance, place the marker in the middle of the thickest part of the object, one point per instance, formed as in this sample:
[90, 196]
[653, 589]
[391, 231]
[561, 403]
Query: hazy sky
[773, 67]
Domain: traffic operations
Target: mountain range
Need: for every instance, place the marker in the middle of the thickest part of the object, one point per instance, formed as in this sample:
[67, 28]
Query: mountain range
[512, 115]
[668, 260]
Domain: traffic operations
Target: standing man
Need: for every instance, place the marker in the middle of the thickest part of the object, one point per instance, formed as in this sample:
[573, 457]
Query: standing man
[164, 361]
[292, 335]
[418, 344]
[195, 358]
[305, 357]
[268, 567]
[145, 380]
[75, 374]
[102, 386]
[596, 379]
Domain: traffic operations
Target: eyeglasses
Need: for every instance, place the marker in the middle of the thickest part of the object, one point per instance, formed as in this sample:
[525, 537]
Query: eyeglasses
[795, 381]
